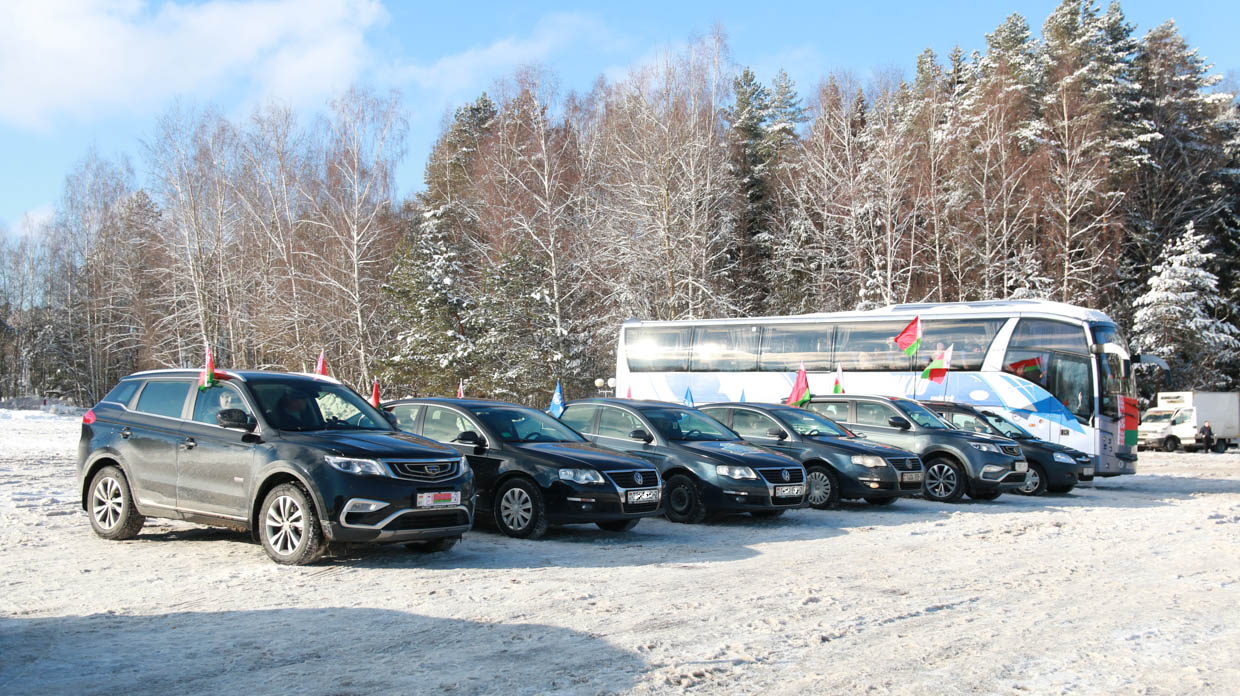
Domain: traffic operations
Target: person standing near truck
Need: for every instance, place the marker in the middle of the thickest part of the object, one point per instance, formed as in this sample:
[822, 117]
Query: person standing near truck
[1206, 435]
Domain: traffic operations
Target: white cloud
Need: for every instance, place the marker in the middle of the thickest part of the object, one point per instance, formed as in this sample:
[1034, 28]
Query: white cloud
[33, 220]
[80, 58]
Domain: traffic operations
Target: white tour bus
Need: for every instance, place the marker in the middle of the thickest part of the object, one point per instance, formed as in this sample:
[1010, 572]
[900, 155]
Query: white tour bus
[1062, 372]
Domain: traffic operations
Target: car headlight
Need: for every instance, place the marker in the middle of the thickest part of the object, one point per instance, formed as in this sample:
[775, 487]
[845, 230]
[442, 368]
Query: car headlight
[985, 447]
[869, 460]
[1063, 458]
[581, 475]
[361, 467]
[464, 466]
[736, 472]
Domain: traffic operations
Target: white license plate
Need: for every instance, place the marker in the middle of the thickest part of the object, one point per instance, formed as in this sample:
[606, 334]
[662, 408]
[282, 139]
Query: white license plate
[439, 499]
[787, 491]
[911, 477]
[1022, 465]
[1089, 471]
[646, 496]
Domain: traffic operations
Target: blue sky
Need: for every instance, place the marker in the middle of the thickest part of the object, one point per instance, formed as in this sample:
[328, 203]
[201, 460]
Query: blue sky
[77, 74]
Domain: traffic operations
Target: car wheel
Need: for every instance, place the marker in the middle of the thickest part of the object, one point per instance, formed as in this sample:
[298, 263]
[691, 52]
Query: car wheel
[519, 509]
[824, 487]
[1061, 489]
[617, 525]
[1035, 481]
[944, 481]
[988, 495]
[433, 546]
[1171, 444]
[766, 514]
[682, 501]
[112, 511]
[880, 501]
[288, 526]
[1219, 447]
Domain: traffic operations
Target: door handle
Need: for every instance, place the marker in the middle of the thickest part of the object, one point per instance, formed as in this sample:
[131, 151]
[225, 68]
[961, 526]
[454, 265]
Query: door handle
[188, 443]
[1063, 431]
[125, 433]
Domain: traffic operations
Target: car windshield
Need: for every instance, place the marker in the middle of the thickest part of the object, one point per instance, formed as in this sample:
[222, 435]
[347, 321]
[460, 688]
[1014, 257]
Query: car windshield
[810, 424]
[519, 424]
[1157, 416]
[684, 425]
[1007, 427]
[302, 405]
[920, 415]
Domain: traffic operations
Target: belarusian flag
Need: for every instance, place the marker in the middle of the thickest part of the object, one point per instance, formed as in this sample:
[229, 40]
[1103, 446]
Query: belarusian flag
[909, 339]
[321, 367]
[800, 389]
[374, 394]
[936, 371]
[838, 388]
[1020, 367]
[206, 379]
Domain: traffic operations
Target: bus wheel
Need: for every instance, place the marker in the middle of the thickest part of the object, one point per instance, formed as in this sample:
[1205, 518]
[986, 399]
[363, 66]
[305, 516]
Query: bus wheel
[1171, 444]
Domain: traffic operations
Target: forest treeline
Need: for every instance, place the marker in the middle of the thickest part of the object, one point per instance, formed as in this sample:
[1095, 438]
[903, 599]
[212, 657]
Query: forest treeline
[1090, 165]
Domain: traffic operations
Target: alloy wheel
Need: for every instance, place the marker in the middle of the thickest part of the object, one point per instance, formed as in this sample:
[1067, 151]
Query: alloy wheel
[941, 480]
[286, 525]
[516, 509]
[108, 502]
[1032, 480]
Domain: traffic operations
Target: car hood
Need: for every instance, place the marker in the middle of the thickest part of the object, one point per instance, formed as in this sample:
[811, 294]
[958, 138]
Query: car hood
[578, 454]
[858, 446]
[374, 444]
[738, 453]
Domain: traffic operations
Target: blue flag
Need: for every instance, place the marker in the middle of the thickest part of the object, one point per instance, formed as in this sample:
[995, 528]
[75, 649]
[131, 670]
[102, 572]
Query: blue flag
[557, 401]
[688, 398]
[742, 396]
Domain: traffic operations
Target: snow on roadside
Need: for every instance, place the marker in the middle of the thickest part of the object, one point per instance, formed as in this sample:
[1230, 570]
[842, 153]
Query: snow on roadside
[1129, 585]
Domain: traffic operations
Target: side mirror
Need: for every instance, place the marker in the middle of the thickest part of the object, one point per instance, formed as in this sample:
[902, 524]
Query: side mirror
[776, 433]
[899, 422]
[235, 418]
[642, 435]
[468, 437]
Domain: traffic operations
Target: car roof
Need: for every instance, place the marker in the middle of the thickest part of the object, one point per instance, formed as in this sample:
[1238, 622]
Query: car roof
[227, 374]
[638, 404]
[448, 401]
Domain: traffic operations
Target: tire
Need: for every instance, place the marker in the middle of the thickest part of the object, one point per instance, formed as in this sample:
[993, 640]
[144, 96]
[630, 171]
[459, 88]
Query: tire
[110, 505]
[989, 495]
[288, 526]
[823, 486]
[519, 509]
[617, 525]
[944, 481]
[1171, 443]
[1220, 446]
[880, 501]
[1035, 481]
[682, 501]
[766, 514]
[433, 546]
[1060, 489]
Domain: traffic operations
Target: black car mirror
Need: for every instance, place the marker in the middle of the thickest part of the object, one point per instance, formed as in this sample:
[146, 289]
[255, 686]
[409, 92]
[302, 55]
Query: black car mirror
[640, 434]
[776, 433]
[235, 418]
[468, 437]
[898, 422]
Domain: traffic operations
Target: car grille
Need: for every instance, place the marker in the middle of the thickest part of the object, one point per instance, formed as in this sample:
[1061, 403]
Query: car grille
[909, 464]
[640, 507]
[1011, 450]
[429, 520]
[627, 479]
[425, 470]
[776, 476]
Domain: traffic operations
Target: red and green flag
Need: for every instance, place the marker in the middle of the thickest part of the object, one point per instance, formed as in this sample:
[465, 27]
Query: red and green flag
[1023, 367]
[909, 339]
[838, 387]
[374, 394]
[800, 389]
[936, 371]
[206, 379]
[321, 367]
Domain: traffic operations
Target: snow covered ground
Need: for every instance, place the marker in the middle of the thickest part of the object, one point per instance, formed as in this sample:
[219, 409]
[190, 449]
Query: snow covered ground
[1127, 586]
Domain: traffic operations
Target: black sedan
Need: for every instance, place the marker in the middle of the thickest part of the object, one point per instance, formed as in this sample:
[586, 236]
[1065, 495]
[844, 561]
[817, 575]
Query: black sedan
[531, 471]
[838, 464]
[709, 468]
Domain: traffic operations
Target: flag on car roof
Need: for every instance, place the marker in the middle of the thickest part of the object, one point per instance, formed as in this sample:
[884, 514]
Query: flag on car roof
[800, 389]
[689, 398]
[742, 399]
[374, 394]
[838, 387]
[909, 339]
[629, 394]
[320, 368]
[936, 371]
[207, 378]
[460, 389]
[557, 401]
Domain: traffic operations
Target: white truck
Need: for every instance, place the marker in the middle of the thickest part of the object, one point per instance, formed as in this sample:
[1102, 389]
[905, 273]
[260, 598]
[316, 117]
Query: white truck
[1175, 419]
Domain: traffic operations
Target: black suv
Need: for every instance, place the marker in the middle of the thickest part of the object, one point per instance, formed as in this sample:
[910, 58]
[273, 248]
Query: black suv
[532, 469]
[957, 462]
[837, 463]
[1052, 467]
[708, 468]
[300, 461]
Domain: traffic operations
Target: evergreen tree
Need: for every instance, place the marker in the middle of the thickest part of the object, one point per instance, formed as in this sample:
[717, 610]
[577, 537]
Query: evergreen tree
[751, 156]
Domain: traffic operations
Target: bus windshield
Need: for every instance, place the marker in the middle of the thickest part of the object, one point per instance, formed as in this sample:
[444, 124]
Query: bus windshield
[684, 425]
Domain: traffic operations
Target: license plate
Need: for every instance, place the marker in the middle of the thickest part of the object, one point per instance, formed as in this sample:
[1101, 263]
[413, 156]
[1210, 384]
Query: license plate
[1089, 471]
[439, 499]
[787, 491]
[911, 476]
[646, 496]
[1022, 465]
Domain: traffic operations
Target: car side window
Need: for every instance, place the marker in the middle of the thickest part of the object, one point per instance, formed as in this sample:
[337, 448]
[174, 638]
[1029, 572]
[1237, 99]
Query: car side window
[163, 398]
[968, 421]
[874, 414]
[835, 410]
[444, 424]
[209, 402]
[406, 415]
[752, 424]
[614, 422]
[122, 393]
[579, 418]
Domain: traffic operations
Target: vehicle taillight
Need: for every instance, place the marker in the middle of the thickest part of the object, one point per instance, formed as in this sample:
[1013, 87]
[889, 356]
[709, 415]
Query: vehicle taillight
[89, 417]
